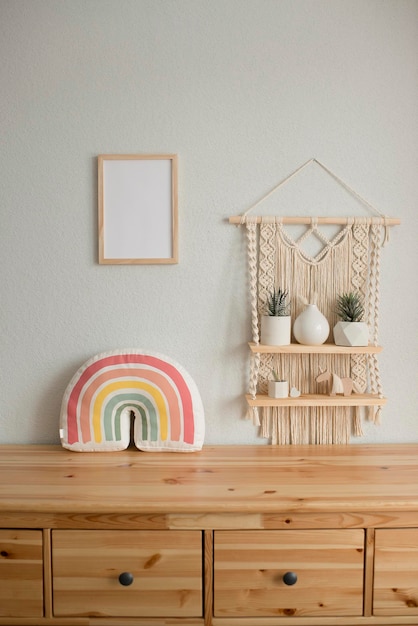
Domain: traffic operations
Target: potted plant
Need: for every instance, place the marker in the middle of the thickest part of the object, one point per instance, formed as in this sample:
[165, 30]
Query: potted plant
[275, 324]
[351, 330]
[277, 388]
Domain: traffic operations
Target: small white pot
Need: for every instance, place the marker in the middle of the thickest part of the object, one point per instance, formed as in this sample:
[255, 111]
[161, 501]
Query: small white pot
[278, 389]
[351, 334]
[275, 330]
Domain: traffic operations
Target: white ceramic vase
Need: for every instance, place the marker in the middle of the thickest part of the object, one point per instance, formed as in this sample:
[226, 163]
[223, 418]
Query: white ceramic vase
[351, 334]
[275, 330]
[311, 327]
[278, 389]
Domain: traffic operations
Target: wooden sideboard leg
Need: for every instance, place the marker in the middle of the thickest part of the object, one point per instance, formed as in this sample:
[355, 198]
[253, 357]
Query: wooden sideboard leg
[369, 573]
[208, 576]
[47, 556]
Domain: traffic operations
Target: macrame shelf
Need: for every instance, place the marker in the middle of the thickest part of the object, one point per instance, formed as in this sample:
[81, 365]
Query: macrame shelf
[350, 261]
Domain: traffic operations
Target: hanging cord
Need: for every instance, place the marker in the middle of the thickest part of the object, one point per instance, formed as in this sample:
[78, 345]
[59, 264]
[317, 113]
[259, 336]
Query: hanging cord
[386, 220]
[280, 184]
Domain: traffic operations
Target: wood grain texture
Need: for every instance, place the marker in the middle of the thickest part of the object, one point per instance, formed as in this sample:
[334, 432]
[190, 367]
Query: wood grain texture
[396, 572]
[208, 577]
[47, 571]
[21, 577]
[278, 480]
[312, 621]
[369, 572]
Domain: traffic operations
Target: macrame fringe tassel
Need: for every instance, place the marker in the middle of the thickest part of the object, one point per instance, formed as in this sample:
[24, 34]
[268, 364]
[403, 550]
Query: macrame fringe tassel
[374, 414]
[265, 424]
[253, 415]
[357, 429]
[283, 427]
[300, 426]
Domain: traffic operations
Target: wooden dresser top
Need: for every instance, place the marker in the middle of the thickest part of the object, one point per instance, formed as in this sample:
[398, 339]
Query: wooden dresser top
[230, 479]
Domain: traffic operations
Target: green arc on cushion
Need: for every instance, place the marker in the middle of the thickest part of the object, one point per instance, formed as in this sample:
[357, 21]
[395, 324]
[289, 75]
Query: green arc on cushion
[137, 401]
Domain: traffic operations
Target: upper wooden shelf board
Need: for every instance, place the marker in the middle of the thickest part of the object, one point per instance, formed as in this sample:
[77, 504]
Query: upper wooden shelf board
[48, 480]
[325, 348]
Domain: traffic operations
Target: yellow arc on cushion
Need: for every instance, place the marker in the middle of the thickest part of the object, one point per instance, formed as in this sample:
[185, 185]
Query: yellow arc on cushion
[129, 384]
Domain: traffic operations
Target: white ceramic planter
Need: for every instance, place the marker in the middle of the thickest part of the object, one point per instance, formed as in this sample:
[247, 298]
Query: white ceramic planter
[275, 330]
[311, 327]
[278, 389]
[351, 334]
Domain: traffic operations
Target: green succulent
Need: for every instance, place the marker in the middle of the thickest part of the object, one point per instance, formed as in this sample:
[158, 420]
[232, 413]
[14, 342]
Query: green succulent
[276, 303]
[276, 377]
[349, 307]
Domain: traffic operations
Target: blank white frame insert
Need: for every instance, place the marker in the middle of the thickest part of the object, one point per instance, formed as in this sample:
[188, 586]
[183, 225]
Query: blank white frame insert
[138, 213]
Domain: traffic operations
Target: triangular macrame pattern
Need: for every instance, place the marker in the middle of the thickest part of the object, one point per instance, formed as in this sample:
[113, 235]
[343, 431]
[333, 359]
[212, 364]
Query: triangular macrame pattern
[348, 262]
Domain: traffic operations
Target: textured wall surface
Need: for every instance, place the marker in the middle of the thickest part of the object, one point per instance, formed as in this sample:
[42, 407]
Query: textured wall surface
[244, 91]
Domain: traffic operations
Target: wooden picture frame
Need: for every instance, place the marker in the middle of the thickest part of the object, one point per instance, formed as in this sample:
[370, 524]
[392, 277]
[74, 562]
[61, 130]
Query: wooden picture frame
[138, 212]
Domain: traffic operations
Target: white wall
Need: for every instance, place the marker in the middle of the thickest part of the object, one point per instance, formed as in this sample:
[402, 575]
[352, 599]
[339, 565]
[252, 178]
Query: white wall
[244, 91]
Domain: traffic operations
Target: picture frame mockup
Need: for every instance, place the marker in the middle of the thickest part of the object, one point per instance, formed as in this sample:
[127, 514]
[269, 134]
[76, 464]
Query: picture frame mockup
[138, 208]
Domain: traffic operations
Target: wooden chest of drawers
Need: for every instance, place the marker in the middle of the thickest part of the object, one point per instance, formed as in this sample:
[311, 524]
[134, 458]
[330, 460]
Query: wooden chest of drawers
[229, 536]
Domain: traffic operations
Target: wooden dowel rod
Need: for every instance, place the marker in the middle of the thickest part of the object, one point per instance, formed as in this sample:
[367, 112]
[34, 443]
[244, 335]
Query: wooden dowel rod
[389, 221]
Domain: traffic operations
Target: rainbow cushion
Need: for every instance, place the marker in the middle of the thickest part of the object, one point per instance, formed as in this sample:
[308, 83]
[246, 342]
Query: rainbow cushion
[100, 398]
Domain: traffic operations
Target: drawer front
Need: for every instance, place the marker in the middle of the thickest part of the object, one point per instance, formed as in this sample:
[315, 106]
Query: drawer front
[396, 572]
[21, 573]
[162, 573]
[253, 573]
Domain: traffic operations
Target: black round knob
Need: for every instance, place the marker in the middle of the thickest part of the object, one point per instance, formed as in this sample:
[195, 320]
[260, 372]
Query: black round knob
[126, 579]
[290, 578]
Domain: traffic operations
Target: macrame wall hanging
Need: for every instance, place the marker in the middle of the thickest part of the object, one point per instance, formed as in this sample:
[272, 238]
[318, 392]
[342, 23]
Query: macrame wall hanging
[349, 261]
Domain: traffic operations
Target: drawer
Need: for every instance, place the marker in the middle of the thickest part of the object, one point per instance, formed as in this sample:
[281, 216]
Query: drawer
[396, 572]
[21, 573]
[285, 573]
[127, 573]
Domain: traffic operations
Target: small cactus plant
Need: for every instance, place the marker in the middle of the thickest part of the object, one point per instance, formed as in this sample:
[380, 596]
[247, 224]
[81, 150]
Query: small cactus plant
[276, 303]
[349, 307]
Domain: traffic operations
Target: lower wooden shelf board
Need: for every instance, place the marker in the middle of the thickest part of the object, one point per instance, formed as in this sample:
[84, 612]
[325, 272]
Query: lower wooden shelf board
[356, 399]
